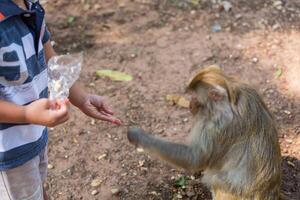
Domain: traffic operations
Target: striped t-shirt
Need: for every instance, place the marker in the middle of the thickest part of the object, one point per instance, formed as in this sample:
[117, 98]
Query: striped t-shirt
[23, 78]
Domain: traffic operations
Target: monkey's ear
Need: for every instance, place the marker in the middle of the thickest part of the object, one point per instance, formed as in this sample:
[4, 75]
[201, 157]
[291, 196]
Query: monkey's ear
[216, 94]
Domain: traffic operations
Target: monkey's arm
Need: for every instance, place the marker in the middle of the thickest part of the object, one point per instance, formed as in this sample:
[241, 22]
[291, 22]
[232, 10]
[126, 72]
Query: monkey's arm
[180, 155]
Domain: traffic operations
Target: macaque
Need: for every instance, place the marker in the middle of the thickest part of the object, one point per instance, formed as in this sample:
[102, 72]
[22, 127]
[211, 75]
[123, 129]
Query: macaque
[233, 141]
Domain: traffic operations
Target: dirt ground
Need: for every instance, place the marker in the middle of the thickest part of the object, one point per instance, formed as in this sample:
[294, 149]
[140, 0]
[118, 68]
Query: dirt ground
[160, 43]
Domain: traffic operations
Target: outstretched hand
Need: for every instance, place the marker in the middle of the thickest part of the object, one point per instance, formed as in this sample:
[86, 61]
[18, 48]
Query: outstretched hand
[95, 106]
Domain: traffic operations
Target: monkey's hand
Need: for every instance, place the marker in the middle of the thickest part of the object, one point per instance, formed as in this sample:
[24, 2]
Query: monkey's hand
[135, 136]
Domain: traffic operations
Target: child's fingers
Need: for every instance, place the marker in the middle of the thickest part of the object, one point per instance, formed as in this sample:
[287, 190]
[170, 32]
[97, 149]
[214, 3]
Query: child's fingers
[107, 109]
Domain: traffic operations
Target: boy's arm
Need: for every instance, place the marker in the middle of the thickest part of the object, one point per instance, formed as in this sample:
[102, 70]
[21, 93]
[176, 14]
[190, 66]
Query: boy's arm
[39, 112]
[92, 105]
[12, 113]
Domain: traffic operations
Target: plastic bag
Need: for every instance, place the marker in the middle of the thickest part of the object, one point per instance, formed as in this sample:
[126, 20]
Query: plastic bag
[63, 71]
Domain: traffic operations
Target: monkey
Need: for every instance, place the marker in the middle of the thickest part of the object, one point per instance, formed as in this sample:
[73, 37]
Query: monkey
[233, 142]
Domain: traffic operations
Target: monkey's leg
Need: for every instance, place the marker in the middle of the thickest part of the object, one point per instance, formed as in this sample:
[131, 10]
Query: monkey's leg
[221, 195]
[180, 155]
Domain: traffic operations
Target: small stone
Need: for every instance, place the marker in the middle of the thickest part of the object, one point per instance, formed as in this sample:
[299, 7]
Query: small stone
[227, 6]
[185, 120]
[94, 192]
[193, 12]
[115, 191]
[140, 150]
[276, 26]
[287, 112]
[133, 55]
[255, 60]
[289, 141]
[216, 28]
[97, 6]
[277, 3]
[50, 166]
[238, 16]
[141, 163]
[93, 122]
[179, 196]
[102, 156]
[291, 164]
[154, 193]
[96, 182]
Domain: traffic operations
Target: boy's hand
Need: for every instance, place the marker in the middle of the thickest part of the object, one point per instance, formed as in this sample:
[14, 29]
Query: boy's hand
[96, 107]
[46, 112]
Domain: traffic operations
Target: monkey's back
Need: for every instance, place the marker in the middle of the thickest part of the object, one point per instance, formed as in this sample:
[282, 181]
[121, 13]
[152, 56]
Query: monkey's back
[250, 167]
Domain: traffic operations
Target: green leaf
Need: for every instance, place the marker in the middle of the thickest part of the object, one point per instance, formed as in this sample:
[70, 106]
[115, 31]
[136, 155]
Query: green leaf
[195, 2]
[114, 75]
[181, 181]
[278, 73]
[71, 19]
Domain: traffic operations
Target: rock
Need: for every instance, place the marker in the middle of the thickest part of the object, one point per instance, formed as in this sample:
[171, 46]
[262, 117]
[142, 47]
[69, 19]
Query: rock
[115, 191]
[96, 182]
[179, 196]
[287, 112]
[94, 192]
[238, 16]
[226, 5]
[278, 5]
[216, 28]
[50, 166]
[290, 141]
[255, 60]
[102, 156]
[193, 12]
[140, 150]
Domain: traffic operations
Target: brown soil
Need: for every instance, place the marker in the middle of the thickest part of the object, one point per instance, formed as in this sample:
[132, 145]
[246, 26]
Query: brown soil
[160, 43]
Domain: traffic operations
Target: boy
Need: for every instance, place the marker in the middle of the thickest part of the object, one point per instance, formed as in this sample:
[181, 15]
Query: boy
[25, 111]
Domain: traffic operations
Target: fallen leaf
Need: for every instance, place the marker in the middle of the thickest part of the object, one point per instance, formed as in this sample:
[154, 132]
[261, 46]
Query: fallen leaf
[71, 19]
[181, 181]
[179, 100]
[183, 102]
[96, 182]
[278, 73]
[114, 75]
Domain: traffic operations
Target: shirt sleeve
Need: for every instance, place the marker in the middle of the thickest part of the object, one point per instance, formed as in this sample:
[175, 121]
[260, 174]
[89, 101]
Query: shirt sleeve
[46, 36]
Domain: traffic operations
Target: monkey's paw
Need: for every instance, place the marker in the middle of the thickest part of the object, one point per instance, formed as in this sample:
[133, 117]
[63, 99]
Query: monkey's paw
[134, 135]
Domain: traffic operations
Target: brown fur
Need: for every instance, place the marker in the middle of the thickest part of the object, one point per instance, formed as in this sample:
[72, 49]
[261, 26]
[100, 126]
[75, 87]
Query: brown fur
[234, 139]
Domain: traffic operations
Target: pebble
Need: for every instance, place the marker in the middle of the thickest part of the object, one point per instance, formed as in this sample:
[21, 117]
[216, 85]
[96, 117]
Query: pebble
[140, 150]
[102, 156]
[287, 112]
[179, 196]
[94, 192]
[96, 182]
[50, 166]
[227, 6]
[290, 141]
[115, 191]
[216, 28]
[255, 60]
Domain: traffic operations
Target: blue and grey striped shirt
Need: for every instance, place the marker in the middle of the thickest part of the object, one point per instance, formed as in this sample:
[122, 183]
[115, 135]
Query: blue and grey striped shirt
[23, 78]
